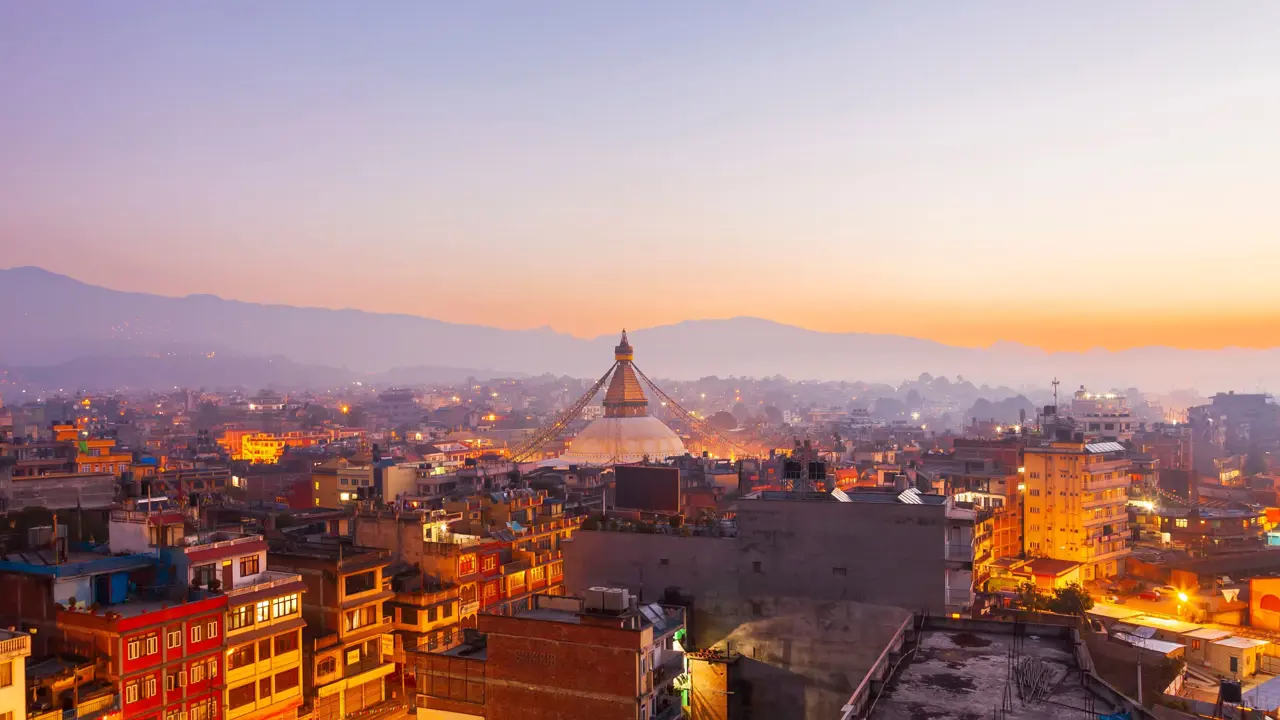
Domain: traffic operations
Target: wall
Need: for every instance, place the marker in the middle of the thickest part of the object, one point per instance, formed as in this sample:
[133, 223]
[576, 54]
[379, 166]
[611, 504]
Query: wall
[1264, 603]
[887, 554]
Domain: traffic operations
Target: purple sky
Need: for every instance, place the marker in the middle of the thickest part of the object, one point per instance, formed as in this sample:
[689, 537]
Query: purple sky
[1061, 174]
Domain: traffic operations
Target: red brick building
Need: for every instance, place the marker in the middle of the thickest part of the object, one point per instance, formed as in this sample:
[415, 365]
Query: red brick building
[605, 658]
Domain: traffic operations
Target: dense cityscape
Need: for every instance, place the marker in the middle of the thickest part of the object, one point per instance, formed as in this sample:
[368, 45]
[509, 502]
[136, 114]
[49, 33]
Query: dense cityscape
[547, 547]
[658, 360]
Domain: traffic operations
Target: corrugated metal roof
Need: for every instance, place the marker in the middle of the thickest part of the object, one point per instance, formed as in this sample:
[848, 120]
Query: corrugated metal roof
[1104, 447]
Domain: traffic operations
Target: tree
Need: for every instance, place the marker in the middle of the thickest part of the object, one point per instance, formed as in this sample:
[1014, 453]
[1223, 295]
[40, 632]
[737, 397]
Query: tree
[773, 415]
[207, 416]
[723, 421]
[1070, 600]
[1030, 597]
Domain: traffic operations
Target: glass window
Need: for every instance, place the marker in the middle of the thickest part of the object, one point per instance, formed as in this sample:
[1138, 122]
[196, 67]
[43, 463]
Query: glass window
[288, 642]
[264, 649]
[286, 605]
[326, 666]
[264, 611]
[241, 617]
[6, 674]
[238, 697]
[240, 657]
[249, 565]
[287, 680]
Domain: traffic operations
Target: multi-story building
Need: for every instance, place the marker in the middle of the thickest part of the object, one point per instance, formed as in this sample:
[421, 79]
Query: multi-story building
[263, 636]
[15, 648]
[530, 664]
[1103, 416]
[163, 656]
[347, 647]
[818, 546]
[1075, 505]
[424, 614]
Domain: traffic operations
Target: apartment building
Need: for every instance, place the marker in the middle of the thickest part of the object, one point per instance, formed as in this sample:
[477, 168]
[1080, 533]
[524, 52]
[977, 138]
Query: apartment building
[15, 648]
[347, 644]
[599, 657]
[424, 613]
[1074, 507]
[263, 635]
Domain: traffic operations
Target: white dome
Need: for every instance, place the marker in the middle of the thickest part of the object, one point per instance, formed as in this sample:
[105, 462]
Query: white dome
[612, 440]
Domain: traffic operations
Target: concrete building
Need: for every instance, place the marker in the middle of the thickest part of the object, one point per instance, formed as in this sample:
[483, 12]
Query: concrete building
[906, 550]
[1074, 508]
[347, 643]
[602, 657]
[1103, 416]
[15, 648]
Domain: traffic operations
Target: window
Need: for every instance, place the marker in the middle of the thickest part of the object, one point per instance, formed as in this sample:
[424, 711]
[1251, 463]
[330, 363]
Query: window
[241, 657]
[448, 610]
[466, 564]
[149, 687]
[197, 633]
[326, 666]
[249, 565]
[538, 573]
[1035, 492]
[361, 582]
[1180, 522]
[171, 681]
[1195, 644]
[287, 642]
[489, 563]
[839, 571]
[264, 688]
[238, 697]
[287, 680]
[241, 617]
[211, 630]
[433, 613]
[286, 605]
[409, 616]
[263, 613]
[1035, 510]
[197, 672]
[153, 644]
[175, 639]
[213, 667]
[491, 590]
[6, 674]
[134, 649]
[264, 649]
[131, 692]
[202, 574]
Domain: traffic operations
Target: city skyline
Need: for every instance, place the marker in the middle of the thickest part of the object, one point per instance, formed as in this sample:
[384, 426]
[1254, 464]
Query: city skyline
[1062, 178]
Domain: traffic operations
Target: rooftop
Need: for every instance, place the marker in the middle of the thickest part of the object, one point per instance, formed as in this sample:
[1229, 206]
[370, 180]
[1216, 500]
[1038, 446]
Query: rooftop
[76, 564]
[965, 674]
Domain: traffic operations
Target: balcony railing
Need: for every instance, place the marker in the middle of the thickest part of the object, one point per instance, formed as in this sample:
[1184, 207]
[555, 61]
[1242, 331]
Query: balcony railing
[264, 580]
[962, 552]
[19, 646]
[959, 598]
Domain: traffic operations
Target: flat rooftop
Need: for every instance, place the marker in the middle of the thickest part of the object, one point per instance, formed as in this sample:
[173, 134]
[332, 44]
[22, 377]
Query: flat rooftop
[962, 674]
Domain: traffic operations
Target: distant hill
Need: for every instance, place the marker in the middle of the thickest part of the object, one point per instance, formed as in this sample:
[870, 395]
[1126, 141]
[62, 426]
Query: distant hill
[52, 319]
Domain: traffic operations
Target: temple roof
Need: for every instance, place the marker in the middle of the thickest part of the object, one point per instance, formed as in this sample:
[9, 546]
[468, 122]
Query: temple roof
[625, 390]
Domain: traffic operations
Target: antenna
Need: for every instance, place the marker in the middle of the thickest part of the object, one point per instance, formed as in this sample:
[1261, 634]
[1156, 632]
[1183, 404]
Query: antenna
[1055, 393]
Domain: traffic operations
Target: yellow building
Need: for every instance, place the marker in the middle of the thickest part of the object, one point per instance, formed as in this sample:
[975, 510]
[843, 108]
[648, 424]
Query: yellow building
[99, 455]
[1075, 505]
[348, 647]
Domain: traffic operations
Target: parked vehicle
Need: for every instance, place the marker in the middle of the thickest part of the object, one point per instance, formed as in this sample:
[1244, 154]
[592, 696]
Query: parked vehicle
[1152, 595]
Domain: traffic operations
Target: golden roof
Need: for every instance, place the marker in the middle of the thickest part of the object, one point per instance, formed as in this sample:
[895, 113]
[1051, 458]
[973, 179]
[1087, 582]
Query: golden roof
[625, 395]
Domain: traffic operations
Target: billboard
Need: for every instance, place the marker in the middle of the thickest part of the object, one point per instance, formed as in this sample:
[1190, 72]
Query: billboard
[1264, 603]
[653, 489]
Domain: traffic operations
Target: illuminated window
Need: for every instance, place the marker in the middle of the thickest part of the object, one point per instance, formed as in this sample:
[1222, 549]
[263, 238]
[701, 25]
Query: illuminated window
[249, 565]
[1180, 522]
[490, 562]
[327, 666]
[174, 639]
[197, 633]
[264, 611]
[466, 564]
[286, 605]
[241, 617]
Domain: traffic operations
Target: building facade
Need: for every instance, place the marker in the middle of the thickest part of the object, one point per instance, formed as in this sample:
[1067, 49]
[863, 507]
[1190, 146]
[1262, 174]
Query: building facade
[1075, 502]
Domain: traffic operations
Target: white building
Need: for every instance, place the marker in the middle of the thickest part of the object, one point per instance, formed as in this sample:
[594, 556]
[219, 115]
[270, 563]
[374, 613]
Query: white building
[15, 648]
[1102, 416]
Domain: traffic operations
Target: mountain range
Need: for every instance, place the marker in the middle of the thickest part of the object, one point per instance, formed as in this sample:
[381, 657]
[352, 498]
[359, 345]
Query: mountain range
[53, 321]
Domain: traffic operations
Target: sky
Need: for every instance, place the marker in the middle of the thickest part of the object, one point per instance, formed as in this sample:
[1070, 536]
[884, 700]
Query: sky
[1064, 175]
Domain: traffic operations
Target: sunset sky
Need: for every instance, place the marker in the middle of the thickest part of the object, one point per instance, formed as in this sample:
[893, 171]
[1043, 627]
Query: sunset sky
[1066, 175]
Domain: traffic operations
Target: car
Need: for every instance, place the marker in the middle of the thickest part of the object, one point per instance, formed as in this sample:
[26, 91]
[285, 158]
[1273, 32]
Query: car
[1152, 595]
[1168, 590]
[1113, 599]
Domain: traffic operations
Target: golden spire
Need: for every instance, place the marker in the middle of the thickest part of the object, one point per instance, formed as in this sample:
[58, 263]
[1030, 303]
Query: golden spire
[625, 396]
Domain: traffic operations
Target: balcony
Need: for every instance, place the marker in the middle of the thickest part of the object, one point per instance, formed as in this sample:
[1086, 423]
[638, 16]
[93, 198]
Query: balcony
[959, 552]
[264, 580]
[14, 645]
[959, 598]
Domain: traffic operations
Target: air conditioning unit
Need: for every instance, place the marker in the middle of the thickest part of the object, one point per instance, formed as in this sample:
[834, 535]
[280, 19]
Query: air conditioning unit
[595, 598]
[617, 600]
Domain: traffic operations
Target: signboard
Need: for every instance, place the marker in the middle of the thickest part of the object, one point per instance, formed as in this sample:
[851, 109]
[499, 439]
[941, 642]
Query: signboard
[655, 489]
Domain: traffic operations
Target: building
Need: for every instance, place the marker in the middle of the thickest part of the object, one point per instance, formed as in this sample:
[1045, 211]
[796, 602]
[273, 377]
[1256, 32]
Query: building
[424, 614]
[1075, 505]
[627, 432]
[164, 657]
[15, 648]
[263, 626]
[602, 657]
[347, 644]
[341, 481]
[1103, 416]
[832, 547]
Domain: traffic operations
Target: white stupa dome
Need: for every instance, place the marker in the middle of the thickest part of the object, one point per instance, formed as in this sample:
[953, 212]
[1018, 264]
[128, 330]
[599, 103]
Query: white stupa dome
[626, 433]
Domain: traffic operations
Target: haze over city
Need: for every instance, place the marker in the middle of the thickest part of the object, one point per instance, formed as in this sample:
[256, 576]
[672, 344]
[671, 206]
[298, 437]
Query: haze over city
[1092, 175]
